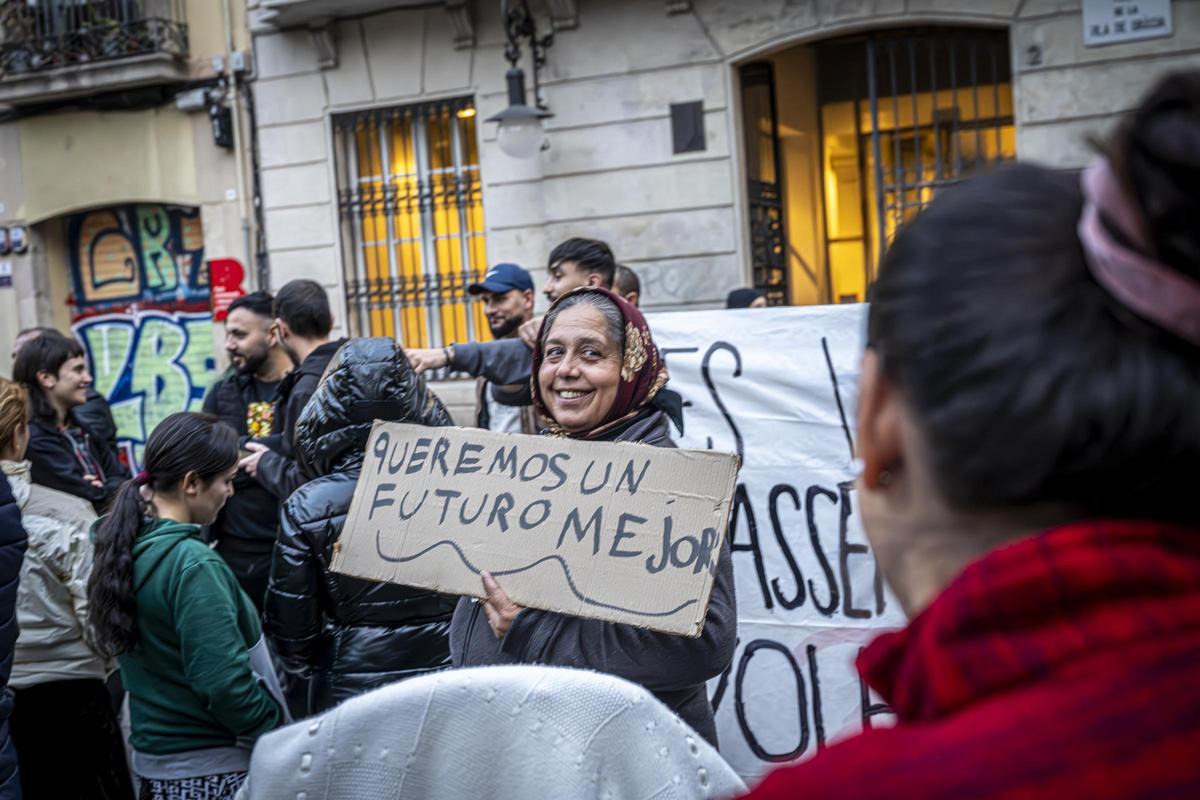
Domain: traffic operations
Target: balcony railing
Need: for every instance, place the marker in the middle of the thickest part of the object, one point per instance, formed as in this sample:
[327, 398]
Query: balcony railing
[41, 35]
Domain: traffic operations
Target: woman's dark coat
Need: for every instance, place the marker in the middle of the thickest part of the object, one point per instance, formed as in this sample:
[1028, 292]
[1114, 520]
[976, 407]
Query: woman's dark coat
[350, 635]
[56, 467]
[674, 668]
[13, 542]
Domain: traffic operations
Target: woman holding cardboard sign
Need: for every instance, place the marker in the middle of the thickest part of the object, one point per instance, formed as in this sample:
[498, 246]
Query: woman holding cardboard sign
[596, 376]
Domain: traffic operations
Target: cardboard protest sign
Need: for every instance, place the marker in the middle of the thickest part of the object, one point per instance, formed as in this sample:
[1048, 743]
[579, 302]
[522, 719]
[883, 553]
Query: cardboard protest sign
[778, 386]
[620, 532]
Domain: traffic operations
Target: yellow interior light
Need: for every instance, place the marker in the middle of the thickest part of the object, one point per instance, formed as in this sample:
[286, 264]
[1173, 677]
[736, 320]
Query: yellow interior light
[465, 113]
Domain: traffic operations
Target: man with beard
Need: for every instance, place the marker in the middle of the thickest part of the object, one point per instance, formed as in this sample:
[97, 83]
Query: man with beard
[303, 322]
[506, 292]
[245, 529]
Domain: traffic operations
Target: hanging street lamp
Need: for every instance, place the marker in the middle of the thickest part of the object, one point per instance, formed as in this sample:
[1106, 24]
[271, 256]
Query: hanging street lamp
[519, 132]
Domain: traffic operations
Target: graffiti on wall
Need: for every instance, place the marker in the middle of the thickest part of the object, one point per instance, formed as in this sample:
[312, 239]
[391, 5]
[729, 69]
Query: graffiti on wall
[139, 254]
[149, 365]
[141, 299]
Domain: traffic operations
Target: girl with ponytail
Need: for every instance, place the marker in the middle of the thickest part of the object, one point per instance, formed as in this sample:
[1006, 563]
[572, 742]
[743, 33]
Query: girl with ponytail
[188, 640]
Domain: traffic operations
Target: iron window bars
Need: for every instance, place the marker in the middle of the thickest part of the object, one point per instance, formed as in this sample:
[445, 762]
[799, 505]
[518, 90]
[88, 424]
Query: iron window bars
[410, 203]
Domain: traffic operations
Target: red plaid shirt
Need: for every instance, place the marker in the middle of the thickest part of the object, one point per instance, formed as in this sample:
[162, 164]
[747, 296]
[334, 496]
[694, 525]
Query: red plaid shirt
[1064, 665]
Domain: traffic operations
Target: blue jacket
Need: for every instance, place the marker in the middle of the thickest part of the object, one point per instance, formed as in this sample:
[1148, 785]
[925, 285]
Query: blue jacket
[12, 550]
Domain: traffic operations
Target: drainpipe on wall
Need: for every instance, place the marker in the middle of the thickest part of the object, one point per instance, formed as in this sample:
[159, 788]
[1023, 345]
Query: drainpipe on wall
[238, 138]
[262, 267]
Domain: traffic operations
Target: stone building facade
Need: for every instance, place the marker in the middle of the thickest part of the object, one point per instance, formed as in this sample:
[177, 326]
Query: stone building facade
[712, 143]
[124, 172]
[761, 194]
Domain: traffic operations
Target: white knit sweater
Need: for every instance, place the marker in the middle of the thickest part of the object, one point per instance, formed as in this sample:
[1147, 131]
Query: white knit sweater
[493, 732]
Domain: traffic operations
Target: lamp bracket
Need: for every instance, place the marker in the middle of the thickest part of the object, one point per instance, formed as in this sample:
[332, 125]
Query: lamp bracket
[519, 24]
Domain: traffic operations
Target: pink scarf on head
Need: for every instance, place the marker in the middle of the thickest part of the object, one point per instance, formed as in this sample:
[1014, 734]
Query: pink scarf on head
[1147, 287]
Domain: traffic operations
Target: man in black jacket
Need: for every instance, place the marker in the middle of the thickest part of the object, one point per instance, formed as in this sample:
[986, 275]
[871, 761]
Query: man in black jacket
[302, 324]
[12, 550]
[95, 413]
[244, 400]
[65, 455]
[350, 635]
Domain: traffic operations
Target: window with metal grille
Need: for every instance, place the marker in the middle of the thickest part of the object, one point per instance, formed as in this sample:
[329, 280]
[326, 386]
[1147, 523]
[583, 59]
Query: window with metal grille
[410, 201]
[940, 107]
[847, 139]
[905, 113]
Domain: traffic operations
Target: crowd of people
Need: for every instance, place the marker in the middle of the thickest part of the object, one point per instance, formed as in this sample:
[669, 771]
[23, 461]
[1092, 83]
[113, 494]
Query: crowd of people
[1026, 433]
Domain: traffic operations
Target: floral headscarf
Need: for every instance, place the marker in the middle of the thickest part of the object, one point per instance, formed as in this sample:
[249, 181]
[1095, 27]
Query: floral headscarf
[643, 372]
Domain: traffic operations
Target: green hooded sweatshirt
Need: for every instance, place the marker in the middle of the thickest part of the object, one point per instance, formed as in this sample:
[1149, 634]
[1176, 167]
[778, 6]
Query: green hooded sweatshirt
[189, 678]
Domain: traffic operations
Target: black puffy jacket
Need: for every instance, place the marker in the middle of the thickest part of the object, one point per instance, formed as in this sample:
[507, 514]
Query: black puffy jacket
[351, 635]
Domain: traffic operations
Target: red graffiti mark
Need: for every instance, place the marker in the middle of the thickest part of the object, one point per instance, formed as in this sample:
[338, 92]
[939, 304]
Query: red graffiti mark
[225, 276]
[134, 308]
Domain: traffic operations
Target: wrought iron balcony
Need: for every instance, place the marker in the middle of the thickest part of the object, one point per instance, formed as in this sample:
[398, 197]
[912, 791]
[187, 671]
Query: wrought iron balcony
[46, 44]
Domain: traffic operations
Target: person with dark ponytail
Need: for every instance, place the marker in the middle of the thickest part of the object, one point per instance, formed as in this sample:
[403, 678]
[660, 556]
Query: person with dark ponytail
[1029, 434]
[188, 639]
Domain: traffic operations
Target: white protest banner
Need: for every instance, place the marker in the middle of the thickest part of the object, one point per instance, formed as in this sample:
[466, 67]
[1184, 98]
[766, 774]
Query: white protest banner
[779, 386]
[620, 532]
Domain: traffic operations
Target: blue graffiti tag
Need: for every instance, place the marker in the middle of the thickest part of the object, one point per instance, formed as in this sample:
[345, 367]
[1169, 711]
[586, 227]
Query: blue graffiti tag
[148, 366]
